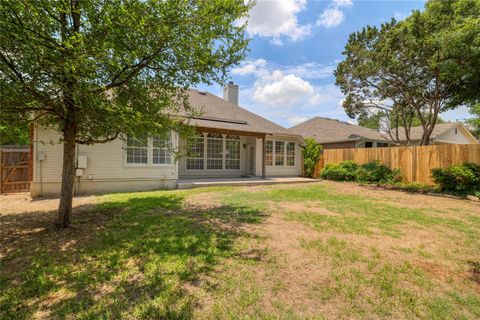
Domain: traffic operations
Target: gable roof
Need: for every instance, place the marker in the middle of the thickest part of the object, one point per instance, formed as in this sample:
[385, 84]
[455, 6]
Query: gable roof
[217, 113]
[417, 132]
[326, 130]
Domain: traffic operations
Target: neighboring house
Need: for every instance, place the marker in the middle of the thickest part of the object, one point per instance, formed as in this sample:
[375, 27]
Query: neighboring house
[336, 134]
[443, 133]
[231, 142]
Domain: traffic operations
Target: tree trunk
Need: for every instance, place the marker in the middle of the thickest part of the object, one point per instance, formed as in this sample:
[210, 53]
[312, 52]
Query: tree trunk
[68, 175]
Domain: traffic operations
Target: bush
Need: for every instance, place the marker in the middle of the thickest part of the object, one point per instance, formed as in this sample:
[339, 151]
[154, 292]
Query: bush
[343, 171]
[458, 178]
[311, 154]
[375, 172]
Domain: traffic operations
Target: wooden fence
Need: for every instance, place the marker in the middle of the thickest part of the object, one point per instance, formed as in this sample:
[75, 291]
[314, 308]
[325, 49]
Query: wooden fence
[15, 171]
[415, 163]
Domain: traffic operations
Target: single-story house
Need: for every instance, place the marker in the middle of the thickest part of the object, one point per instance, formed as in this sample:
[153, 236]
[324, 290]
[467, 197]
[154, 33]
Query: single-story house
[231, 142]
[336, 134]
[443, 133]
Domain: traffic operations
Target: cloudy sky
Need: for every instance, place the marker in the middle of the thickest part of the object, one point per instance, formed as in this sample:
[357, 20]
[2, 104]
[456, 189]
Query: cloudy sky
[295, 46]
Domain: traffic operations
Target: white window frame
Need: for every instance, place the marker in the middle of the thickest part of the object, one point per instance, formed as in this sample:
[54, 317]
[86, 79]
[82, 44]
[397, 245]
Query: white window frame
[284, 155]
[287, 155]
[225, 140]
[167, 148]
[150, 148]
[215, 138]
[136, 164]
[199, 136]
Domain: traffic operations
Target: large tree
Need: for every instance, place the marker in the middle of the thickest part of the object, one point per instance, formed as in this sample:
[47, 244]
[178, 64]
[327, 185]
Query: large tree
[96, 69]
[405, 70]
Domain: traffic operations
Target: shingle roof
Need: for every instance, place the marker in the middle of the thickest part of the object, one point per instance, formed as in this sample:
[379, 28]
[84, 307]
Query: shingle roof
[326, 130]
[217, 113]
[417, 132]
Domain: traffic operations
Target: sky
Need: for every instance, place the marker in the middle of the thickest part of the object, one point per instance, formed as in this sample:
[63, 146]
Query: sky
[294, 49]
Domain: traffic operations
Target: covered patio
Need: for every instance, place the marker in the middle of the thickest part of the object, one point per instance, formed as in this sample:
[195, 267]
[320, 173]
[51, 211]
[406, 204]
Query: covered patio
[247, 181]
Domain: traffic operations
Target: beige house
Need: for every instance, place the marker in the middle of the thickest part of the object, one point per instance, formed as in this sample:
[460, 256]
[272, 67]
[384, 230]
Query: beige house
[443, 133]
[336, 134]
[231, 142]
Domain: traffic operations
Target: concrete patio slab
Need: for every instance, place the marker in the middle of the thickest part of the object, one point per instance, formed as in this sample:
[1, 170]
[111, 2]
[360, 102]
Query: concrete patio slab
[248, 181]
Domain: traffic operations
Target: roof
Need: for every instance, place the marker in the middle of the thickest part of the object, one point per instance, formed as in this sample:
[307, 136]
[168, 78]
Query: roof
[417, 132]
[217, 113]
[326, 130]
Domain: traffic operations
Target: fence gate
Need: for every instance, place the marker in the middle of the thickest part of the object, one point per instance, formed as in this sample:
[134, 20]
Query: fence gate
[14, 170]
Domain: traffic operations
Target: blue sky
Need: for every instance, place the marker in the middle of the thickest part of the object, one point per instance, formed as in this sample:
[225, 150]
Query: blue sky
[296, 44]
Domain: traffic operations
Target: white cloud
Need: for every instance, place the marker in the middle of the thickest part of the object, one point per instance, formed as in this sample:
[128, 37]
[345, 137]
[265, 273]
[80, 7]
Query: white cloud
[283, 90]
[277, 19]
[332, 16]
[308, 70]
[294, 120]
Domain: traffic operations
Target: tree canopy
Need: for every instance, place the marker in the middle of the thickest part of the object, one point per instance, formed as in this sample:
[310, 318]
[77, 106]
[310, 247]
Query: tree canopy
[407, 70]
[96, 69]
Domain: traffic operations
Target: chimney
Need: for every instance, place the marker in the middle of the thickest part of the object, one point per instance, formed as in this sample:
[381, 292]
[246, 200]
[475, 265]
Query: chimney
[230, 93]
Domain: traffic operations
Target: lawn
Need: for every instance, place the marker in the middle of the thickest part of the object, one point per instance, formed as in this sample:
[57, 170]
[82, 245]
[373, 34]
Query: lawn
[313, 251]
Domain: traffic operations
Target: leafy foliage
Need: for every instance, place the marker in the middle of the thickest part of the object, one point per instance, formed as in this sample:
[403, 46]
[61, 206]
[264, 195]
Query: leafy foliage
[475, 120]
[311, 154]
[458, 178]
[371, 172]
[343, 171]
[416, 67]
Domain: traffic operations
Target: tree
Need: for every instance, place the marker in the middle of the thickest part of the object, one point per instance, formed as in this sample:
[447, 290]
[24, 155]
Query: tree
[405, 70]
[95, 70]
[474, 122]
[13, 130]
[311, 153]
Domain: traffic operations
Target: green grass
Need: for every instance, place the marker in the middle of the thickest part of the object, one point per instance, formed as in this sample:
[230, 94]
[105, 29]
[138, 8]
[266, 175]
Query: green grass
[151, 255]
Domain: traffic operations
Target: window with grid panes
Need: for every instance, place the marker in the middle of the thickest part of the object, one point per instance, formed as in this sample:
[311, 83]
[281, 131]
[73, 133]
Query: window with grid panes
[161, 150]
[279, 153]
[137, 150]
[290, 154]
[195, 148]
[269, 153]
[214, 151]
[232, 152]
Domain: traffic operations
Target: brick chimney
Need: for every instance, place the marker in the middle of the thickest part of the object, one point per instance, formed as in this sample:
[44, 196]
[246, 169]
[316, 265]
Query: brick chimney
[230, 93]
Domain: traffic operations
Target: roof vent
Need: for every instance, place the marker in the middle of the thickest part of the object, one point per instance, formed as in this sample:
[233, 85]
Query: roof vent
[203, 93]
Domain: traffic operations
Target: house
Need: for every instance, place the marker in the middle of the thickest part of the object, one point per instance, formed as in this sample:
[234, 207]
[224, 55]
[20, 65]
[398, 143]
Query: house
[231, 142]
[443, 133]
[336, 134]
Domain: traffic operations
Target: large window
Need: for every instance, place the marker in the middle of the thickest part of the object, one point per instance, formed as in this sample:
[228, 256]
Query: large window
[161, 150]
[290, 154]
[279, 153]
[232, 152]
[214, 151]
[137, 150]
[269, 153]
[195, 149]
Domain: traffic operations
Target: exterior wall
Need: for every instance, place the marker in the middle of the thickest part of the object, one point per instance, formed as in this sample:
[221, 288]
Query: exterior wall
[339, 145]
[106, 168]
[279, 171]
[451, 137]
[183, 173]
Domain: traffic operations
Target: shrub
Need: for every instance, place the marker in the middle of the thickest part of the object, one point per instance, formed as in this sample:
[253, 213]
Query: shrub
[375, 172]
[311, 154]
[343, 171]
[458, 178]
[415, 187]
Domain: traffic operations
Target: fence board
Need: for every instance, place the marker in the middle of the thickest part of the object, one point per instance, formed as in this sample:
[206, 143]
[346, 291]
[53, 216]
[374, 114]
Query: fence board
[415, 163]
[14, 170]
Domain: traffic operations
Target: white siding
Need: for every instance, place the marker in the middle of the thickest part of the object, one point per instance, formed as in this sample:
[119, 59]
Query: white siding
[451, 137]
[105, 162]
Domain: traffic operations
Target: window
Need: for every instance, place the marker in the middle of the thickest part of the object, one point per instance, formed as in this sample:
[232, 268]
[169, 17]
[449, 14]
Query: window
[368, 144]
[290, 154]
[382, 144]
[279, 153]
[160, 150]
[137, 150]
[269, 153]
[214, 152]
[195, 149]
[232, 152]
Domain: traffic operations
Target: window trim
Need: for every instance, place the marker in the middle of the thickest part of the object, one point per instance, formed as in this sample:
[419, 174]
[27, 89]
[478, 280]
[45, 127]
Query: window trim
[137, 164]
[150, 148]
[168, 141]
[201, 136]
[285, 155]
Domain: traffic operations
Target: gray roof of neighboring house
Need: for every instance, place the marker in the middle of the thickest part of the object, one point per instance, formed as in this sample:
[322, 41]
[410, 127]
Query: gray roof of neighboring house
[217, 113]
[417, 132]
[326, 130]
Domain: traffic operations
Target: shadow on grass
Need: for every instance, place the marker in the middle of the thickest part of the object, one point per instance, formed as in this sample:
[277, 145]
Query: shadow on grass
[136, 255]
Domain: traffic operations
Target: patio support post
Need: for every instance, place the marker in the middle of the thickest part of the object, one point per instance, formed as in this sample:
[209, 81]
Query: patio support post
[264, 168]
